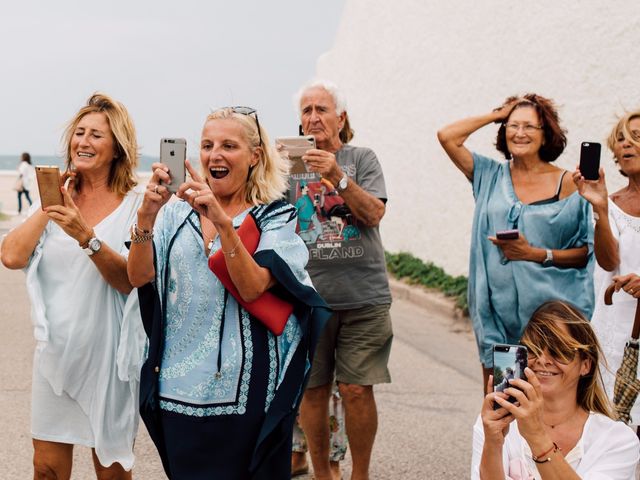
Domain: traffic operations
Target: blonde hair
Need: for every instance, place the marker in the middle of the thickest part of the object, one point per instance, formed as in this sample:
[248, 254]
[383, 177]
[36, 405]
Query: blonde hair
[544, 332]
[122, 173]
[269, 178]
[622, 127]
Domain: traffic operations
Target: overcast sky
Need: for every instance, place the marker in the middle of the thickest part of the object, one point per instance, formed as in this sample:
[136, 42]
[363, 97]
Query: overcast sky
[169, 62]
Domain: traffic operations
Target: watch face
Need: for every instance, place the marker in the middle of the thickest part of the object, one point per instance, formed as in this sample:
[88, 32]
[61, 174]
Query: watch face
[344, 181]
[94, 244]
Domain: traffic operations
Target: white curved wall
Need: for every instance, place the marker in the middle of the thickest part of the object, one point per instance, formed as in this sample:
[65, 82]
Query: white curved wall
[411, 66]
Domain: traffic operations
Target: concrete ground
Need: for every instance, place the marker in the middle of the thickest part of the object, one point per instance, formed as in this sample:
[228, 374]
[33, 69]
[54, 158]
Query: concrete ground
[426, 414]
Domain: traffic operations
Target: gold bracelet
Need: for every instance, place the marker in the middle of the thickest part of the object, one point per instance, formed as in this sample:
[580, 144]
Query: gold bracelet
[232, 252]
[137, 237]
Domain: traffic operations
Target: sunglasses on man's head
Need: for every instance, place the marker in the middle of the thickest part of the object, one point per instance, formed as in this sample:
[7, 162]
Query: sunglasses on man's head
[247, 111]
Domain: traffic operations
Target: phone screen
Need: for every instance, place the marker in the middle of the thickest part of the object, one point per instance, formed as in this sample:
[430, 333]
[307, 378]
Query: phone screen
[173, 153]
[49, 186]
[590, 160]
[509, 362]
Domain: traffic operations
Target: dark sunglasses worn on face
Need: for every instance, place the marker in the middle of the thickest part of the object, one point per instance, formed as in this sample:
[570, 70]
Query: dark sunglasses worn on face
[247, 111]
[562, 355]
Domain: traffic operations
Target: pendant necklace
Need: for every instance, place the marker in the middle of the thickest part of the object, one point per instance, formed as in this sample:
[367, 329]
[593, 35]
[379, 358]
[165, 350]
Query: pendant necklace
[212, 239]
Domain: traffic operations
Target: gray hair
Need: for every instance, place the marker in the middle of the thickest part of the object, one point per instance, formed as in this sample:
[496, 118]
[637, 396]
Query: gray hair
[338, 97]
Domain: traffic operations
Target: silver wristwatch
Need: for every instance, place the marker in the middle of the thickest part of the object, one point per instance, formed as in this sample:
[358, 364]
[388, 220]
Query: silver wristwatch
[548, 261]
[93, 246]
[342, 184]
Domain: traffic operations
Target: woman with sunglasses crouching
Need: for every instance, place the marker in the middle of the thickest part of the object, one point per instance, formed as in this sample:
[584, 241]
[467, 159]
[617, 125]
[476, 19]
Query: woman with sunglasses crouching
[550, 255]
[219, 390]
[564, 426]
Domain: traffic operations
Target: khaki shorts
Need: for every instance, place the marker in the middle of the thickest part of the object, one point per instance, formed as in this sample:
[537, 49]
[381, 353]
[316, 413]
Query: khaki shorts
[356, 345]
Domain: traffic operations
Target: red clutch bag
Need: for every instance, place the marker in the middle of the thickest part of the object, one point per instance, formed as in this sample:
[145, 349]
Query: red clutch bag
[270, 309]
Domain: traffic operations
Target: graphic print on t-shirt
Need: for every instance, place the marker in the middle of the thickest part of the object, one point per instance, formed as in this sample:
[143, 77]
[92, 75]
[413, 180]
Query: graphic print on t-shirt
[325, 222]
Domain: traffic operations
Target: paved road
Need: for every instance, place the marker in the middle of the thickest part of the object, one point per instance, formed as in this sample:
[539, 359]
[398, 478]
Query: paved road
[426, 414]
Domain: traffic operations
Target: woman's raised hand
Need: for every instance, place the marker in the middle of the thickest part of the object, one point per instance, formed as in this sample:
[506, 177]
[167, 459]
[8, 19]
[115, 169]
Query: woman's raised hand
[494, 422]
[504, 110]
[593, 191]
[529, 408]
[156, 194]
[68, 216]
[201, 198]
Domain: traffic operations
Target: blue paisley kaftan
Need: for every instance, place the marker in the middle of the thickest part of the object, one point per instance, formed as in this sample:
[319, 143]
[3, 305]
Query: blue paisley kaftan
[503, 294]
[216, 362]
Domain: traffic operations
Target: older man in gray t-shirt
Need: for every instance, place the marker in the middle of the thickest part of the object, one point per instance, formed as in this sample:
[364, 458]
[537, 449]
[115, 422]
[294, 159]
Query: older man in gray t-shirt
[340, 196]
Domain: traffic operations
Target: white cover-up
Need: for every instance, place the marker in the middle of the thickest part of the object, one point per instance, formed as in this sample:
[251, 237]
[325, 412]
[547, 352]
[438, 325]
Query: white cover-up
[89, 342]
[613, 323]
[607, 450]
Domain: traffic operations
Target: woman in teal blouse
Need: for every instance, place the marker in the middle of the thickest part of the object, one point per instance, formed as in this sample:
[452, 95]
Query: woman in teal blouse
[552, 258]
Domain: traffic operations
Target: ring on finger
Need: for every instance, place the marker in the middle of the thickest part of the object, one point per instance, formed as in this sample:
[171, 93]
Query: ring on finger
[155, 189]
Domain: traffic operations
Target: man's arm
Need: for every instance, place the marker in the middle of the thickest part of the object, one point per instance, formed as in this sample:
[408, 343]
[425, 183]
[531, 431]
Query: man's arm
[365, 206]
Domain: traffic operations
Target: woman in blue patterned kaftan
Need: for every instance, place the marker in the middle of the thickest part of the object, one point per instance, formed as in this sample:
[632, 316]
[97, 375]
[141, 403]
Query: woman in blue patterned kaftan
[219, 390]
[89, 339]
[552, 256]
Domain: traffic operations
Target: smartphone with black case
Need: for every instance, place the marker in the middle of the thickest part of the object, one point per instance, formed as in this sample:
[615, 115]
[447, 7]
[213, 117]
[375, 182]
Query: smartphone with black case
[48, 178]
[590, 160]
[509, 362]
[507, 234]
[173, 153]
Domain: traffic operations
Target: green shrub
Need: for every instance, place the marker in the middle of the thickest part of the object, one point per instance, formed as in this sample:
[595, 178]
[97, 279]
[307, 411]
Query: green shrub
[405, 266]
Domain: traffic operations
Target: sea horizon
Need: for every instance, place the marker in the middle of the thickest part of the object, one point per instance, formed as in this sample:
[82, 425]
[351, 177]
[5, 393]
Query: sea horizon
[9, 163]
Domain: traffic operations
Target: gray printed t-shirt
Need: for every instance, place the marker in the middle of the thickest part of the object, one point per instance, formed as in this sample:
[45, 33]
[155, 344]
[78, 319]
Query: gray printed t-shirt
[346, 258]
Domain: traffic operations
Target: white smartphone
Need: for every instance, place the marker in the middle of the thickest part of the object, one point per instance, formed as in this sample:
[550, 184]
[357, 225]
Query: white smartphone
[173, 153]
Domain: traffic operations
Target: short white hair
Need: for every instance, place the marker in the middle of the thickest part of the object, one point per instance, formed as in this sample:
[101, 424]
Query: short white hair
[338, 97]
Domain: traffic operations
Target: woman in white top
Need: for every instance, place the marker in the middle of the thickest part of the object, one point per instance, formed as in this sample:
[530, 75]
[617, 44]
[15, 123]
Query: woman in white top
[26, 176]
[85, 372]
[617, 247]
[563, 426]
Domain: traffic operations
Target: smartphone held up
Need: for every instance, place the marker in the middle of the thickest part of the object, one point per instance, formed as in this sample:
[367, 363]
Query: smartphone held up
[173, 153]
[509, 362]
[590, 160]
[296, 148]
[48, 178]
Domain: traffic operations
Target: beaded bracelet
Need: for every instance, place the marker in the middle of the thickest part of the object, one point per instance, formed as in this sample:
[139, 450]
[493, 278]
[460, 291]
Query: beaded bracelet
[140, 236]
[540, 458]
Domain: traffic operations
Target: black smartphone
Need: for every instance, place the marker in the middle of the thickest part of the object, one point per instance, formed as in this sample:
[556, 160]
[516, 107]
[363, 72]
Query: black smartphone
[509, 362]
[173, 153]
[508, 234]
[590, 160]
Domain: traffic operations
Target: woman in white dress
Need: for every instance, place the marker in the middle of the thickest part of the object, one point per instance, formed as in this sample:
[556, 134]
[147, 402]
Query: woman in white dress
[85, 385]
[27, 177]
[561, 426]
[617, 247]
